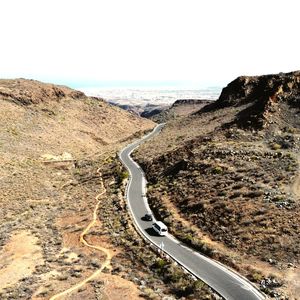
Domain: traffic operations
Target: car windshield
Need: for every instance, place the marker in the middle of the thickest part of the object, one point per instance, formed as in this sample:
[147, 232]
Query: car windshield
[156, 226]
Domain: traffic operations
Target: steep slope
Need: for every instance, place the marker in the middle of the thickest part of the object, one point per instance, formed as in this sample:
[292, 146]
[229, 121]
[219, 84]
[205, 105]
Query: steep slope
[60, 119]
[52, 141]
[269, 101]
[224, 179]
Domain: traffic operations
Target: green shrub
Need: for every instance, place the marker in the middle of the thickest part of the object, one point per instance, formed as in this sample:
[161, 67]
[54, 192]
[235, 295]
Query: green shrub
[160, 263]
[121, 175]
[275, 146]
[217, 170]
[256, 277]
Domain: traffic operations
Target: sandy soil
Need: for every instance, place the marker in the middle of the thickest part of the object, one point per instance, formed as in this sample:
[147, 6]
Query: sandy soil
[111, 286]
[18, 258]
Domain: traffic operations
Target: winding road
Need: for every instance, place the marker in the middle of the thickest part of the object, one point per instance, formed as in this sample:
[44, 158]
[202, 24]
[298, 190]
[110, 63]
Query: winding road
[227, 283]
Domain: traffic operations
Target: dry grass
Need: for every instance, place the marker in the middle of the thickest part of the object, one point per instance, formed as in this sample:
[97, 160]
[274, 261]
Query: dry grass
[53, 139]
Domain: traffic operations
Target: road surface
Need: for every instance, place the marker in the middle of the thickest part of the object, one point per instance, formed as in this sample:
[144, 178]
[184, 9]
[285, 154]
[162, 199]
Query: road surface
[228, 284]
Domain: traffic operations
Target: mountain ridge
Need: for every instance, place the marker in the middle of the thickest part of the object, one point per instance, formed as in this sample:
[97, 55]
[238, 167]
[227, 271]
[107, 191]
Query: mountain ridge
[263, 97]
[28, 91]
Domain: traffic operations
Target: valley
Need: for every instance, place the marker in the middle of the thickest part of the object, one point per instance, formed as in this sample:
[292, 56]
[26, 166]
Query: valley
[223, 175]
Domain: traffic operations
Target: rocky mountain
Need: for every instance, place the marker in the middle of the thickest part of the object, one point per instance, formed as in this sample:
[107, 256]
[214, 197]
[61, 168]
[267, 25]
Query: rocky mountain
[225, 179]
[26, 92]
[53, 144]
[267, 101]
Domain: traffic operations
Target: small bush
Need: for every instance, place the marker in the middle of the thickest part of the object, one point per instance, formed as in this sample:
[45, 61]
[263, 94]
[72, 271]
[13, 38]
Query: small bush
[255, 277]
[160, 263]
[222, 193]
[275, 146]
[121, 175]
[254, 194]
[235, 195]
[217, 170]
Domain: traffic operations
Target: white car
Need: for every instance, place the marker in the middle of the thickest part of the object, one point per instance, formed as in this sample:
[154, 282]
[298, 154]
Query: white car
[160, 228]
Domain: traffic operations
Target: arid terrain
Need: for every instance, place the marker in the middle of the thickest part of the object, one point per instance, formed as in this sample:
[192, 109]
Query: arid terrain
[65, 229]
[225, 179]
[223, 175]
[46, 133]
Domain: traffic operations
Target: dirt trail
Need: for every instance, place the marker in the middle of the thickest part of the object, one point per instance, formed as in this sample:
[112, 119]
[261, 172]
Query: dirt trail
[106, 263]
[296, 185]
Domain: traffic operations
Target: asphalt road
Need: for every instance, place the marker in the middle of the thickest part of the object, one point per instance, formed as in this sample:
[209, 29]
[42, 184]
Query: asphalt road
[228, 284]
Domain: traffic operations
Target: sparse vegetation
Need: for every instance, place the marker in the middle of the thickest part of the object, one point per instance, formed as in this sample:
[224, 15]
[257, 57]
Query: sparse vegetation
[161, 276]
[52, 199]
[239, 184]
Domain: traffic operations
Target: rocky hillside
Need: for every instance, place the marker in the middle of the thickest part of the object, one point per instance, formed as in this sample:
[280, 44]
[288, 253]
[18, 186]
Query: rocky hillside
[26, 92]
[226, 179]
[52, 141]
[270, 101]
[57, 119]
[180, 108]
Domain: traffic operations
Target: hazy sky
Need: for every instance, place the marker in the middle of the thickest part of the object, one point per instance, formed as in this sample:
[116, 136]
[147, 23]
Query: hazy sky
[193, 42]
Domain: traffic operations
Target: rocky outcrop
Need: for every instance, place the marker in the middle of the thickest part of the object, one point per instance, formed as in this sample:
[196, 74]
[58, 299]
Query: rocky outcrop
[265, 99]
[180, 102]
[266, 88]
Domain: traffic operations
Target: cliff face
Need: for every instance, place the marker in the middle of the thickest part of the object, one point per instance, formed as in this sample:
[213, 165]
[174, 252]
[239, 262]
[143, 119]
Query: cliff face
[267, 99]
[266, 88]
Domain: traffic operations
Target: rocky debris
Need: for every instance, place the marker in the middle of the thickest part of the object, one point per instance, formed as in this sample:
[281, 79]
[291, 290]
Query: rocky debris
[285, 141]
[269, 285]
[279, 198]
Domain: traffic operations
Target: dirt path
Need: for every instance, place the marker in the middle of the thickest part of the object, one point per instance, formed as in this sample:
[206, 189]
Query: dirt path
[106, 263]
[296, 185]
